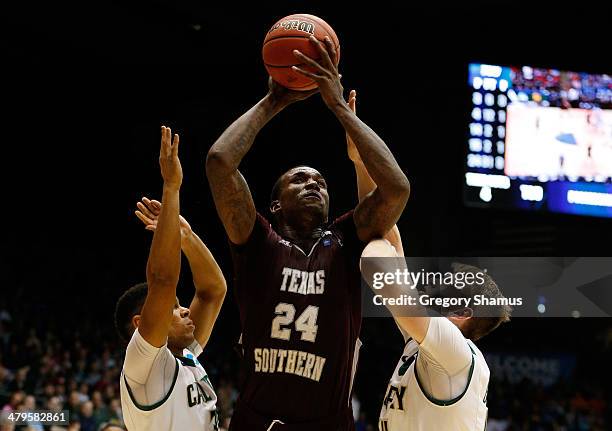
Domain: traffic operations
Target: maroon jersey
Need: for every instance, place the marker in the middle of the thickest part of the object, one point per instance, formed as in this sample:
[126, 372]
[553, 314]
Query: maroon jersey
[300, 312]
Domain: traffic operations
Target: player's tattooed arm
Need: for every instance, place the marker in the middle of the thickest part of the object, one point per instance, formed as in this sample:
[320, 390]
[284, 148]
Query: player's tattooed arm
[208, 279]
[381, 257]
[230, 190]
[164, 263]
[380, 209]
[365, 183]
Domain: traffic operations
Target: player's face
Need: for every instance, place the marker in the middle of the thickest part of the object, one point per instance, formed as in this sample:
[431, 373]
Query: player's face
[180, 335]
[304, 188]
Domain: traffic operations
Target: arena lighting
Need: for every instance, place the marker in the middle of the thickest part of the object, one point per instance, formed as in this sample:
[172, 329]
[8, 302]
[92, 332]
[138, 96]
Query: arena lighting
[489, 84]
[531, 193]
[491, 71]
[499, 162]
[480, 161]
[486, 145]
[485, 194]
[512, 95]
[589, 198]
[475, 145]
[488, 114]
[487, 180]
[476, 129]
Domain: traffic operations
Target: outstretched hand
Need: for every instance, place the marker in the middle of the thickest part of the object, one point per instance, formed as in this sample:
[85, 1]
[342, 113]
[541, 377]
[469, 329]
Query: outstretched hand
[325, 73]
[148, 213]
[169, 162]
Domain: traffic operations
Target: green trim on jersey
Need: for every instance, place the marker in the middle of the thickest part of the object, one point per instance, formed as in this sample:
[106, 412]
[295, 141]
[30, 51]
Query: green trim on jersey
[454, 400]
[160, 402]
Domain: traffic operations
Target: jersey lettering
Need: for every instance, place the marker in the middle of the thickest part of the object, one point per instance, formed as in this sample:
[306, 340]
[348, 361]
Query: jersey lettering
[303, 282]
[395, 398]
[295, 362]
[195, 395]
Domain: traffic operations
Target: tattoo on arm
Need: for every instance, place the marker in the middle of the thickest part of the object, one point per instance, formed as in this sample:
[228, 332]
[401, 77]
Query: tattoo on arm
[235, 205]
[229, 188]
[375, 215]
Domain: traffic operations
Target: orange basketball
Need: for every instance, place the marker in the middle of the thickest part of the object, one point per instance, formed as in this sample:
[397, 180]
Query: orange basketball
[287, 34]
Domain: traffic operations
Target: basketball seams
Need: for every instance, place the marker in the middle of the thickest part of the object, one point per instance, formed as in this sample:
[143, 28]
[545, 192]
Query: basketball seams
[336, 47]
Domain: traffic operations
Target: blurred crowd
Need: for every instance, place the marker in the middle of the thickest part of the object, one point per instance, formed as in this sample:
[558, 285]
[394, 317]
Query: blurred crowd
[77, 368]
[564, 89]
[561, 407]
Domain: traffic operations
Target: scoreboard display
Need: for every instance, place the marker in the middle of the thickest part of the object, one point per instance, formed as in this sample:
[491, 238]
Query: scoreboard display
[539, 139]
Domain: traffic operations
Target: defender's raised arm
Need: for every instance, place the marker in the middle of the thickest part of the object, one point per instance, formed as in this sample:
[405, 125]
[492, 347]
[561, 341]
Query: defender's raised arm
[164, 264]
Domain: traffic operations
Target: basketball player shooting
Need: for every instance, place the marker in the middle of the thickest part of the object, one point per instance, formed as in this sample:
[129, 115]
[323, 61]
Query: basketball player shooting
[163, 386]
[297, 280]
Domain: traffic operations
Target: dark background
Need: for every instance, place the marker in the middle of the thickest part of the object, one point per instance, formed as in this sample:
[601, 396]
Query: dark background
[86, 87]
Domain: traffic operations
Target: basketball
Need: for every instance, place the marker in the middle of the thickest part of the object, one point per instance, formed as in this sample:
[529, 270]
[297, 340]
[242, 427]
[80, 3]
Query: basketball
[289, 33]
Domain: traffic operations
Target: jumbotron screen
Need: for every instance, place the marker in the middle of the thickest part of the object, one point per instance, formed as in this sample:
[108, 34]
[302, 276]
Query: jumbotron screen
[539, 139]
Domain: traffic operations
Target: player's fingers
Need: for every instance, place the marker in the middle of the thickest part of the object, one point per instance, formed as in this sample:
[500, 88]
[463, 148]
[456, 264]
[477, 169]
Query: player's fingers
[147, 221]
[308, 60]
[163, 134]
[143, 209]
[165, 148]
[154, 209]
[331, 49]
[326, 60]
[151, 227]
[157, 204]
[353, 100]
[175, 144]
[307, 73]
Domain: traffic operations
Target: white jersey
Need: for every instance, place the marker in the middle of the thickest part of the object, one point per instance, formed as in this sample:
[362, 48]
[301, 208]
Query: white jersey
[408, 407]
[163, 392]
